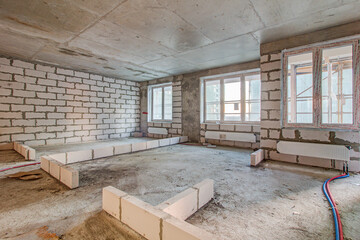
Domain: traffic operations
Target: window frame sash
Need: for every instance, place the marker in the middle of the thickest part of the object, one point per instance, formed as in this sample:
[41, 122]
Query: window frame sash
[317, 51]
[162, 87]
[221, 79]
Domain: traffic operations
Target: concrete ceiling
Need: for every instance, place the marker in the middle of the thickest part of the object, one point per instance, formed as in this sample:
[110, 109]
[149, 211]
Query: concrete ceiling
[147, 39]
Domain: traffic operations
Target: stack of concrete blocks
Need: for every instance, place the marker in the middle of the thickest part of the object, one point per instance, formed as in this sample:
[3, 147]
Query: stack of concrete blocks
[43, 105]
[63, 173]
[90, 154]
[27, 152]
[173, 128]
[166, 221]
[241, 129]
[272, 131]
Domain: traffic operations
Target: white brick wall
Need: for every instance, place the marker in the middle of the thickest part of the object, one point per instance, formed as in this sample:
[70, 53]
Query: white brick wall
[49, 105]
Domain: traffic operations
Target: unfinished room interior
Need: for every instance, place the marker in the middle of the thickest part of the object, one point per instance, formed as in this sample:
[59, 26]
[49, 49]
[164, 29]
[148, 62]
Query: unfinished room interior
[179, 119]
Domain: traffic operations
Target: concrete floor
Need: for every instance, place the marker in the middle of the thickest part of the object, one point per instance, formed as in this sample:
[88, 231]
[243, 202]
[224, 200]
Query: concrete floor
[273, 201]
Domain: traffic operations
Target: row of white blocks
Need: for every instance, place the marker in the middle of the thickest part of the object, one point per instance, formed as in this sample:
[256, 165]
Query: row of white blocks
[90, 154]
[26, 151]
[165, 221]
[63, 173]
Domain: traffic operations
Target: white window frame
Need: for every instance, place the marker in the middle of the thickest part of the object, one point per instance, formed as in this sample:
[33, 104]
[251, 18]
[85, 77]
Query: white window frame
[222, 77]
[150, 102]
[316, 50]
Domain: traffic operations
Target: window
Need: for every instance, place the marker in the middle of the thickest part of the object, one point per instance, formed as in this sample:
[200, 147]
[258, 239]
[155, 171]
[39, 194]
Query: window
[232, 98]
[320, 86]
[160, 102]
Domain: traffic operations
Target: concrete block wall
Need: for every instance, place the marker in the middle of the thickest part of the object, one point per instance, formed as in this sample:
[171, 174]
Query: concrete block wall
[42, 105]
[236, 128]
[271, 128]
[173, 128]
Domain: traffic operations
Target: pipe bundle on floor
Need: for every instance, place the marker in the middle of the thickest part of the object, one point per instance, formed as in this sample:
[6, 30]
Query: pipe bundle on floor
[336, 215]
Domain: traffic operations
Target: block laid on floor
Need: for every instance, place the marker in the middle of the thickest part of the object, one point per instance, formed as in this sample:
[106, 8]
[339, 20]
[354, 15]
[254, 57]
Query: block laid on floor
[183, 139]
[206, 191]
[122, 149]
[138, 146]
[152, 144]
[54, 169]
[103, 152]
[111, 200]
[79, 156]
[175, 229]
[45, 163]
[183, 205]
[174, 140]
[142, 217]
[69, 177]
[164, 142]
[24, 152]
[257, 157]
[32, 154]
[60, 157]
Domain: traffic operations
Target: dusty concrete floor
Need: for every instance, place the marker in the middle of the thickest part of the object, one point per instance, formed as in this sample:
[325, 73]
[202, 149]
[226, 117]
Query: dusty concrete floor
[11, 157]
[273, 201]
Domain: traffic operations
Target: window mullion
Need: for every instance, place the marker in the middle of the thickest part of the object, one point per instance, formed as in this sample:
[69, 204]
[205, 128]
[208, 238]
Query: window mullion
[242, 97]
[222, 102]
[356, 84]
[163, 103]
[317, 75]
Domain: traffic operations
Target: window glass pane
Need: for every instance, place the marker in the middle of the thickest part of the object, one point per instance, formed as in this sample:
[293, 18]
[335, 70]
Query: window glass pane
[168, 103]
[157, 103]
[232, 89]
[300, 88]
[232, 96]
[252, 97]
[337, 85]
[212, 100]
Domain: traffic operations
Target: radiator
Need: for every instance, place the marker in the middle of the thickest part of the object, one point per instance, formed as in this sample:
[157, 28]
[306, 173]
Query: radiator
[328, 151]
[231, 136]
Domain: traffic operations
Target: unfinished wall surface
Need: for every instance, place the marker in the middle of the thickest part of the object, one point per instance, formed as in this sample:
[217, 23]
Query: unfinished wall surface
[50, 105]
[173, 127]
[187, 104]
[271, 130]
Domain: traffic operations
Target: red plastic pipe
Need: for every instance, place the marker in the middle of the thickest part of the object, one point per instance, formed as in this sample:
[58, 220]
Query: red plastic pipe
[25, 165]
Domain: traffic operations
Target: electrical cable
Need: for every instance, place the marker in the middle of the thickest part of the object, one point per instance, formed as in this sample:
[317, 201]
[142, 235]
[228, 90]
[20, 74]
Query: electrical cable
[14, 167]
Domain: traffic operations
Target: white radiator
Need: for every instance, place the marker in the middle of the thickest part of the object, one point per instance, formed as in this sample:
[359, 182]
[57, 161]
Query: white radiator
[231, 136]
[154, 130]
[328, 151]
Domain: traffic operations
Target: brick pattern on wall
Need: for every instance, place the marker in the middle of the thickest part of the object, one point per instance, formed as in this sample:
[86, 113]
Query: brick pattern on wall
[272, 132]
[238, 128]
[175, 126]
[42, 105]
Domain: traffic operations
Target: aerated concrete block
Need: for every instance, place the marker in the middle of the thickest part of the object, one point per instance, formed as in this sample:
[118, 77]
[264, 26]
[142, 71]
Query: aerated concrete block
[174, 140]
[122, 149]
[256, 157]
[111, 200]
[103, 152]
[32, 154]
[175, 229]
[79, 156]
[54, 169]
[60, 157]
[152, 144]
[141, 217]
[164, 142]
[206, 191]
[45, 163]
[183, 139]
[69, 177]
[138, 146]
[183, 205]
[6, 146]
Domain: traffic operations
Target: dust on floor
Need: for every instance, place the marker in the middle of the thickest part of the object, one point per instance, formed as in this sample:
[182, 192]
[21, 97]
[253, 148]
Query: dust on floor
[10, 156]
[273, 201]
